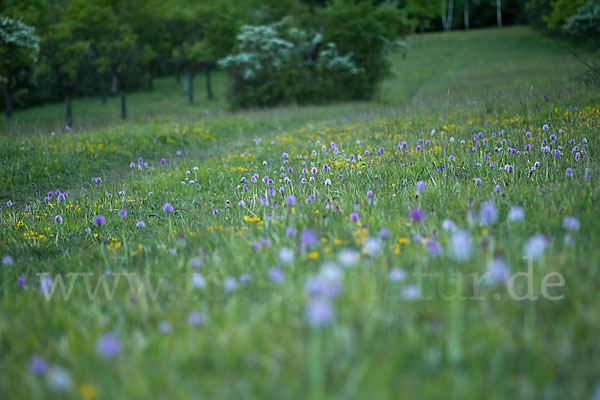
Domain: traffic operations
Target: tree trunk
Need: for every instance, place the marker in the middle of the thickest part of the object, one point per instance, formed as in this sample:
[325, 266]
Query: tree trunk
[447, 14]
[450, 13]
[8, 101]
[191, 86]
[103, 89]
[467, 23]
[123, 104]
[69, 115]
[209, 92]
[444, 21]
[499, 12]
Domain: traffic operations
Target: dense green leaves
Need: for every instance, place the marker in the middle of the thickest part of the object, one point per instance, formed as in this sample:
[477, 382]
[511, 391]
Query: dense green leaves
[19, 48]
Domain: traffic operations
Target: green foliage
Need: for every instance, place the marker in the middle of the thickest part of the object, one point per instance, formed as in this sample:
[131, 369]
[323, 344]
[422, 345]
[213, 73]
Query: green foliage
[345, 60]
[584, 25]
[66, 60]
[19, 50]
[279, 63]
[422, 13]
[561, 11]
[201, 34]
[536, 11]
[367, 33]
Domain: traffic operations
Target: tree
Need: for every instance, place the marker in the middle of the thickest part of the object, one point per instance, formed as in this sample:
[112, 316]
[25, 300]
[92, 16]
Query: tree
[19, 49]
[447, 12]
[114, 45]
[203, 33]
[421, 13]
[145, 19]
[368, 33]
[466, 14]
[65, 61]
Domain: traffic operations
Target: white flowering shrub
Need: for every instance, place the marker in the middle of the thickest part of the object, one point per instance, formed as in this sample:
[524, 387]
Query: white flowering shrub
[14, 32]
[279, 63]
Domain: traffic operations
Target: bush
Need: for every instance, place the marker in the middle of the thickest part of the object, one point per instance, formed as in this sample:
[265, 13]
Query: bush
[584, 28]
[584, 25]
[281, 63]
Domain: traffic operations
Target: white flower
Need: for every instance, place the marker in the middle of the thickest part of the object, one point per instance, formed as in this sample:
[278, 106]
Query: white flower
[198, 281]
[460, 246]
[348, 257]
[372, 246]
[516, 213]
[286, 255]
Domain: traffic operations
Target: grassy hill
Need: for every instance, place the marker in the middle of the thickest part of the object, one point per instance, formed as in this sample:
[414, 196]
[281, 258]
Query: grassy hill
[427, 245]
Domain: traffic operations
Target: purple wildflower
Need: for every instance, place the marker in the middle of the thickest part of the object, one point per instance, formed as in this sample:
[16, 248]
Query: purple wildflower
[497, 271]
[319, 312]
[535, 246]
[449, 225]
[569, 172]
[460, 246]
[411, 292]
[195, 262]
[99, 220]
[488, 213]
[290, 200]
[309, 238]
[397, 275]
[198, 281]
[415, 215]
[7, 260]
[140, 224]
[571, 223]
[38, 366]
[168, 209]
[122, 213]
[384, 233]
[244, 279]
[230, 284]
[354, 217]
[58, 219]
[276, 275]
[434, 248]
[290, 232]
[421, 186]
[108, 346]
[196, 318]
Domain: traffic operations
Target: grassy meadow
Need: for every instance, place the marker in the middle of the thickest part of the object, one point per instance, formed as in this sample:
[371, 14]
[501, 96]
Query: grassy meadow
[440, 241]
